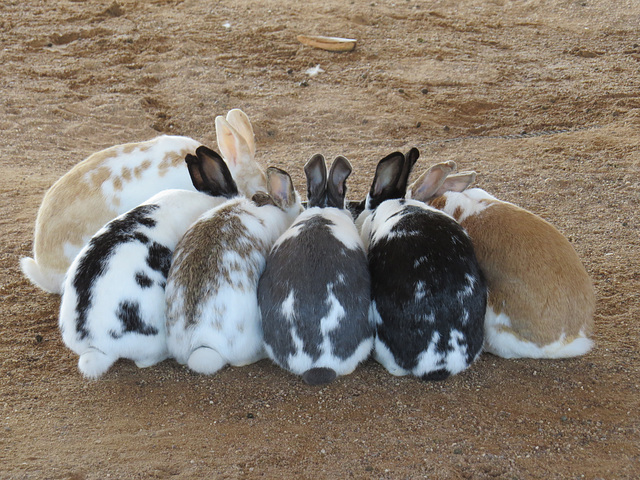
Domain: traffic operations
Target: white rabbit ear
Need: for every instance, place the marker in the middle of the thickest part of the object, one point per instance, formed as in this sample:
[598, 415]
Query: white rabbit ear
[280, 187]
[239, 120]
[456, 183]
[232, 144]
[429, 183]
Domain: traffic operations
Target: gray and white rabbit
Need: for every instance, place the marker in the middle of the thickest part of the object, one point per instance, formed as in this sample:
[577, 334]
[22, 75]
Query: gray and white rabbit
[428, 293]
[212, 307]
[113, 297]
[314, 294]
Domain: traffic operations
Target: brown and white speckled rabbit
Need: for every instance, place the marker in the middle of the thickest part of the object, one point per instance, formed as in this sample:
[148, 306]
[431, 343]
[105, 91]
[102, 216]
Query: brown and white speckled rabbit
[113, 181]
[541, 299]
[211, 294]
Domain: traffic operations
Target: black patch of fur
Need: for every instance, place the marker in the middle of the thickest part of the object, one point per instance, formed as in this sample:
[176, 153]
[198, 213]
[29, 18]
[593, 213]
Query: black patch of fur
[159, 258]
[319, 376]
[306, 264]
[129, 314]
[95, 260]
[143, 280]
[446, 256]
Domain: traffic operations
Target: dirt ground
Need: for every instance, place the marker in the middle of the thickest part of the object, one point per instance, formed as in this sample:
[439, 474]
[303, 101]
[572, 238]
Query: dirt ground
[76, 77]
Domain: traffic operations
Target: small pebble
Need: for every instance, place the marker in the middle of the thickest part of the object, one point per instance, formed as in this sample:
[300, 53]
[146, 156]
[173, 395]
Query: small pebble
[250, 415]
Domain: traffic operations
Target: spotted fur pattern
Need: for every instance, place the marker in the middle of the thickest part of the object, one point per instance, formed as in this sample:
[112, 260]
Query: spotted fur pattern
[113, 300]
[117, 179]
[429, 296]
[314, 297]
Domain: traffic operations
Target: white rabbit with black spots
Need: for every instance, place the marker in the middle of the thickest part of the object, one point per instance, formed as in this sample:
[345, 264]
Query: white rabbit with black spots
[113, 301]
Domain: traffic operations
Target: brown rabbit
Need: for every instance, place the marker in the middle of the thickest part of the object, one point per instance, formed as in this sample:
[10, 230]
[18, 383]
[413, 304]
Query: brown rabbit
[541, 299]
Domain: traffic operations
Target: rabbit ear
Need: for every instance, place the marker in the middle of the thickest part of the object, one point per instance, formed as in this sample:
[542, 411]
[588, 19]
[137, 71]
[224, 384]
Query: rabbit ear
[336, 184]
[316, 173]
[429, 183]
[280, 188]
[232, 144]
[239, 120]
[410, 160]
[456, 183]
[386, 178]
[210, 174]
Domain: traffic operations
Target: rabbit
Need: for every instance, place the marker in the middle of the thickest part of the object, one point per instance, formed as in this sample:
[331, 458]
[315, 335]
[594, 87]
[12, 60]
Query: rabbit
[113, 181]
[314, 294]
[428, 292]
[212, 310]
[541, 300]
[113, 297]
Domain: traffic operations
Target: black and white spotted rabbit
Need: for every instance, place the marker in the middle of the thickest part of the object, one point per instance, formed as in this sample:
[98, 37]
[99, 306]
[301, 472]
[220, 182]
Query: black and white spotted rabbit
[428, 293]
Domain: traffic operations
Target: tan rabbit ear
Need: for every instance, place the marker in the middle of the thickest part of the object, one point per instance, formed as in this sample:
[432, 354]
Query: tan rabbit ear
[430, 182]
[239, 120]
[232, 145]
[280, 187]
[456, 183]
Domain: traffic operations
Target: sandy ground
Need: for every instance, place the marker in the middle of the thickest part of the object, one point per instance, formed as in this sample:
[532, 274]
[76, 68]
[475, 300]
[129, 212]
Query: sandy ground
[76, 77]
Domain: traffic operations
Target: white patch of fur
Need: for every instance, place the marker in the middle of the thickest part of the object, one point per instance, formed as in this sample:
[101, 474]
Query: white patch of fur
[343, 229]
[288, 307]
[506, 345]
[420, 292]
[334, 316]
[383, 356]
[470, 202]
[374, 316]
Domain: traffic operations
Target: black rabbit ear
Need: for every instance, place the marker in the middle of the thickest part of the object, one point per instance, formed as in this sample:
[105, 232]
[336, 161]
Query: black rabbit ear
[337, 183]
[210, 174]
[316, 172]
[410, 160]
[386, 179]
[193, 165]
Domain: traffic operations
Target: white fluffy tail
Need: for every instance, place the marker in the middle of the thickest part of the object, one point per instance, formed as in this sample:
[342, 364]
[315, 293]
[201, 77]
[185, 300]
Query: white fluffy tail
[47, 280]
[206, 360]
[93, 363]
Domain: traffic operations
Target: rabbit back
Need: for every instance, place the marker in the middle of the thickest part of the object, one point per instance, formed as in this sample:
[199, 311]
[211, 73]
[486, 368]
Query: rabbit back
[541, 299]
[429, 296]
[113, 300]
[314, 296]
[212, 284]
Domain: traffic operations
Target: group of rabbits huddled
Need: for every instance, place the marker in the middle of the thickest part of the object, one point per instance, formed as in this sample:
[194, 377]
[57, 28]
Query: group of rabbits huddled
[426, 276]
